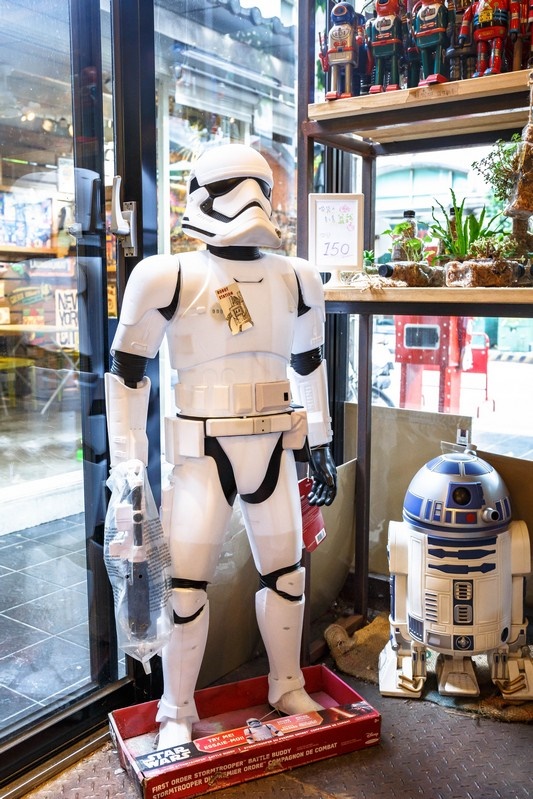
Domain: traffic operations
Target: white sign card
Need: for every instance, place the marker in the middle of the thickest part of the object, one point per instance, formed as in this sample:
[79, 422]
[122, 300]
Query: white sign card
[336, 231]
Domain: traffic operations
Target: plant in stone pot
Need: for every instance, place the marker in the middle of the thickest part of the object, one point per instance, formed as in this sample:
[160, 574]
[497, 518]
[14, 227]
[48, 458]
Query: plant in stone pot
[461, 228]
[369, 265]
[405, 246]
[475, 249]
[507, 169]
[408, 263]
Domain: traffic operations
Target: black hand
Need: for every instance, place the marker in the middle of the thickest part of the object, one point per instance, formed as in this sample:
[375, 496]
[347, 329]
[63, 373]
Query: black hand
[324, 476]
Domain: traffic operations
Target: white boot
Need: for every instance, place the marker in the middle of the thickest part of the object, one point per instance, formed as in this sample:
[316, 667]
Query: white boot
[182, 658]
[281, 622]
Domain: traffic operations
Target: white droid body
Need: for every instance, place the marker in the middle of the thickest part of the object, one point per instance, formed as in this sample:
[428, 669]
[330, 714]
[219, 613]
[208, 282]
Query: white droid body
[244, 332]
[457, 564]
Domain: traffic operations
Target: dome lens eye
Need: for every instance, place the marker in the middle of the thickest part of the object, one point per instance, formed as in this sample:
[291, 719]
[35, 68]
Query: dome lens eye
[461, 496]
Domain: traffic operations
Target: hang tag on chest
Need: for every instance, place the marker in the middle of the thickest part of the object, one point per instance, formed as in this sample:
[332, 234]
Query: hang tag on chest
[234, 308]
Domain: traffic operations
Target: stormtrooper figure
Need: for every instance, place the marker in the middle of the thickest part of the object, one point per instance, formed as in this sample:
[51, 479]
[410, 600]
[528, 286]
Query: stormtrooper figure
[245, 334]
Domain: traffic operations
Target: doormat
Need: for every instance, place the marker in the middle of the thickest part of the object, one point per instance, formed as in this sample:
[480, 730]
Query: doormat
[358, 656]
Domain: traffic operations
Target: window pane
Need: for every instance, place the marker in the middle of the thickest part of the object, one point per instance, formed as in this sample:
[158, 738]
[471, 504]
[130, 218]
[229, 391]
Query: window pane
[53, 451]
[226, 73]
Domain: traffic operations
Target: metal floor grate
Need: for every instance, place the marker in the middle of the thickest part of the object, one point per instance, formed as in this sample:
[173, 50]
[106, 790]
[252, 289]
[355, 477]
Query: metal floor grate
[425, 750]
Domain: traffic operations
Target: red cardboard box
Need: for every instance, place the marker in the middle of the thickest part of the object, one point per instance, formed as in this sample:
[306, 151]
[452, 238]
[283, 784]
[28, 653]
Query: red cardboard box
[240, 738]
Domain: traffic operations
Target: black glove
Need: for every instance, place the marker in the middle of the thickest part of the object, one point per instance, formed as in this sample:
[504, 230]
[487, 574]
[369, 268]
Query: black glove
[324, 476]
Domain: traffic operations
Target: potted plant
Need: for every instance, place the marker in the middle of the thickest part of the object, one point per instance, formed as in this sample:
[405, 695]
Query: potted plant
[408, 262]
[474, 248]
[507, 170]
[368, 261]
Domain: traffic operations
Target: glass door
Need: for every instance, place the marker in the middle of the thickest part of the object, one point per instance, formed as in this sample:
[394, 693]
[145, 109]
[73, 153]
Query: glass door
[57, 641]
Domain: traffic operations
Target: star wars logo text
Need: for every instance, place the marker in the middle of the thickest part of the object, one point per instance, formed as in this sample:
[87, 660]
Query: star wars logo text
[165, 757]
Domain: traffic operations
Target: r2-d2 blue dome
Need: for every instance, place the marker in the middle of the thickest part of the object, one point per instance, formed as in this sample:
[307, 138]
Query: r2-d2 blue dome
[457, 494]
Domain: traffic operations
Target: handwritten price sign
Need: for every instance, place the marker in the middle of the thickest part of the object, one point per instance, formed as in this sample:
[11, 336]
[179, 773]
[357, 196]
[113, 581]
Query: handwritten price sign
[335, 230]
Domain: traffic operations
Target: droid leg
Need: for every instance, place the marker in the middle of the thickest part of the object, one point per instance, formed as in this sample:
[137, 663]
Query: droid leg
[427, 64]
[512, 673]
[402, 672]
[495, 62]
[347, 81]
[482, 59]
[456, 676]
[394, 82]
[334, 89]
[280, 612]
[377, 86]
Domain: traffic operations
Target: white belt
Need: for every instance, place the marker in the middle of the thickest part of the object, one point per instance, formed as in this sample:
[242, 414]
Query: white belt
[248, 426]
[184, 438]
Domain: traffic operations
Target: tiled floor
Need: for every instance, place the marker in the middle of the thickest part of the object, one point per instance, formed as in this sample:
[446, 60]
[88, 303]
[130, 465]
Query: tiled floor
[44, 649]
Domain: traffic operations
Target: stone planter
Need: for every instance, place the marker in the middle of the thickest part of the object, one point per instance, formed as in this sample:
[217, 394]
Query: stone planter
[414, 274]
[494, 273]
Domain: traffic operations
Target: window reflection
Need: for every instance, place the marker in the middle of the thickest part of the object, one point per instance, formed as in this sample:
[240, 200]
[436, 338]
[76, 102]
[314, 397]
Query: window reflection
[226, 74]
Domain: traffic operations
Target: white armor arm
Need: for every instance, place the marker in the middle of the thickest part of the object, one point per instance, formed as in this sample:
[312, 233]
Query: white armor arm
[151, 286]
[311, 390]
[127, 410]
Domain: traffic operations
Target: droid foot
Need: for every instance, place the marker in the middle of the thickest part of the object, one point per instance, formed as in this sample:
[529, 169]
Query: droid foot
[297, 701]
[519, 685]
[396, 675]
[456, 676]
[173, 732]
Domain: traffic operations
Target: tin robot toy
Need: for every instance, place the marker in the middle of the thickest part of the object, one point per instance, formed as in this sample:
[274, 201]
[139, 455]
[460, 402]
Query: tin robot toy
[432, 25]
[489, 22]
[458, 565]
[344, 55]
[385, 40]
[245, 331]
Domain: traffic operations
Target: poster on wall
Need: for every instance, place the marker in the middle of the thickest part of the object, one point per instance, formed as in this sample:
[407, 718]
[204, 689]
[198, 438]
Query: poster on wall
[25, 224]
[67, 318]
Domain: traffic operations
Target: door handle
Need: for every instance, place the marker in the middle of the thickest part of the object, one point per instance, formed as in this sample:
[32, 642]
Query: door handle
[123, 220]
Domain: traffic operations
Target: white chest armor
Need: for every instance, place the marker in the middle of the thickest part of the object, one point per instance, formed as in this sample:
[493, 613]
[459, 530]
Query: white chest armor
[226, 374]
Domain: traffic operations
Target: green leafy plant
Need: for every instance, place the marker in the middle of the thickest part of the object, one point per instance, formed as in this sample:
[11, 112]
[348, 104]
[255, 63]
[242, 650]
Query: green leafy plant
[410, 247]
[461, 229]
[368, 256]
[499, 167]
[500, 246]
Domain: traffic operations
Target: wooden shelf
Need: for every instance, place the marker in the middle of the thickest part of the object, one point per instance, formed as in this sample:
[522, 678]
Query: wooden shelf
[513, 302]
[7, 251]
[434, 296]
[445, 111]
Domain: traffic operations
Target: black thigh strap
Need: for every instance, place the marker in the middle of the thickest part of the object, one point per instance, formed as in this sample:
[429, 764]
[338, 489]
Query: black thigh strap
[266, 489]
[213, 449]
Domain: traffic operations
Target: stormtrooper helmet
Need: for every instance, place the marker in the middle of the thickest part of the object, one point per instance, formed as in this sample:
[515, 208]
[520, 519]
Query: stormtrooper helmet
[229, 199]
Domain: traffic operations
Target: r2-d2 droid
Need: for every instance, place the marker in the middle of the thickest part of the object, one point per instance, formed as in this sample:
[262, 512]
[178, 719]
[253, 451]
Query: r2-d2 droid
[457, 569]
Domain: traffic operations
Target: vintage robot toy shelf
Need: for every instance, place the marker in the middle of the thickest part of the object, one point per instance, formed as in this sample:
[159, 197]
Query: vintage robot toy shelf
[396, 44]
[457, 568]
